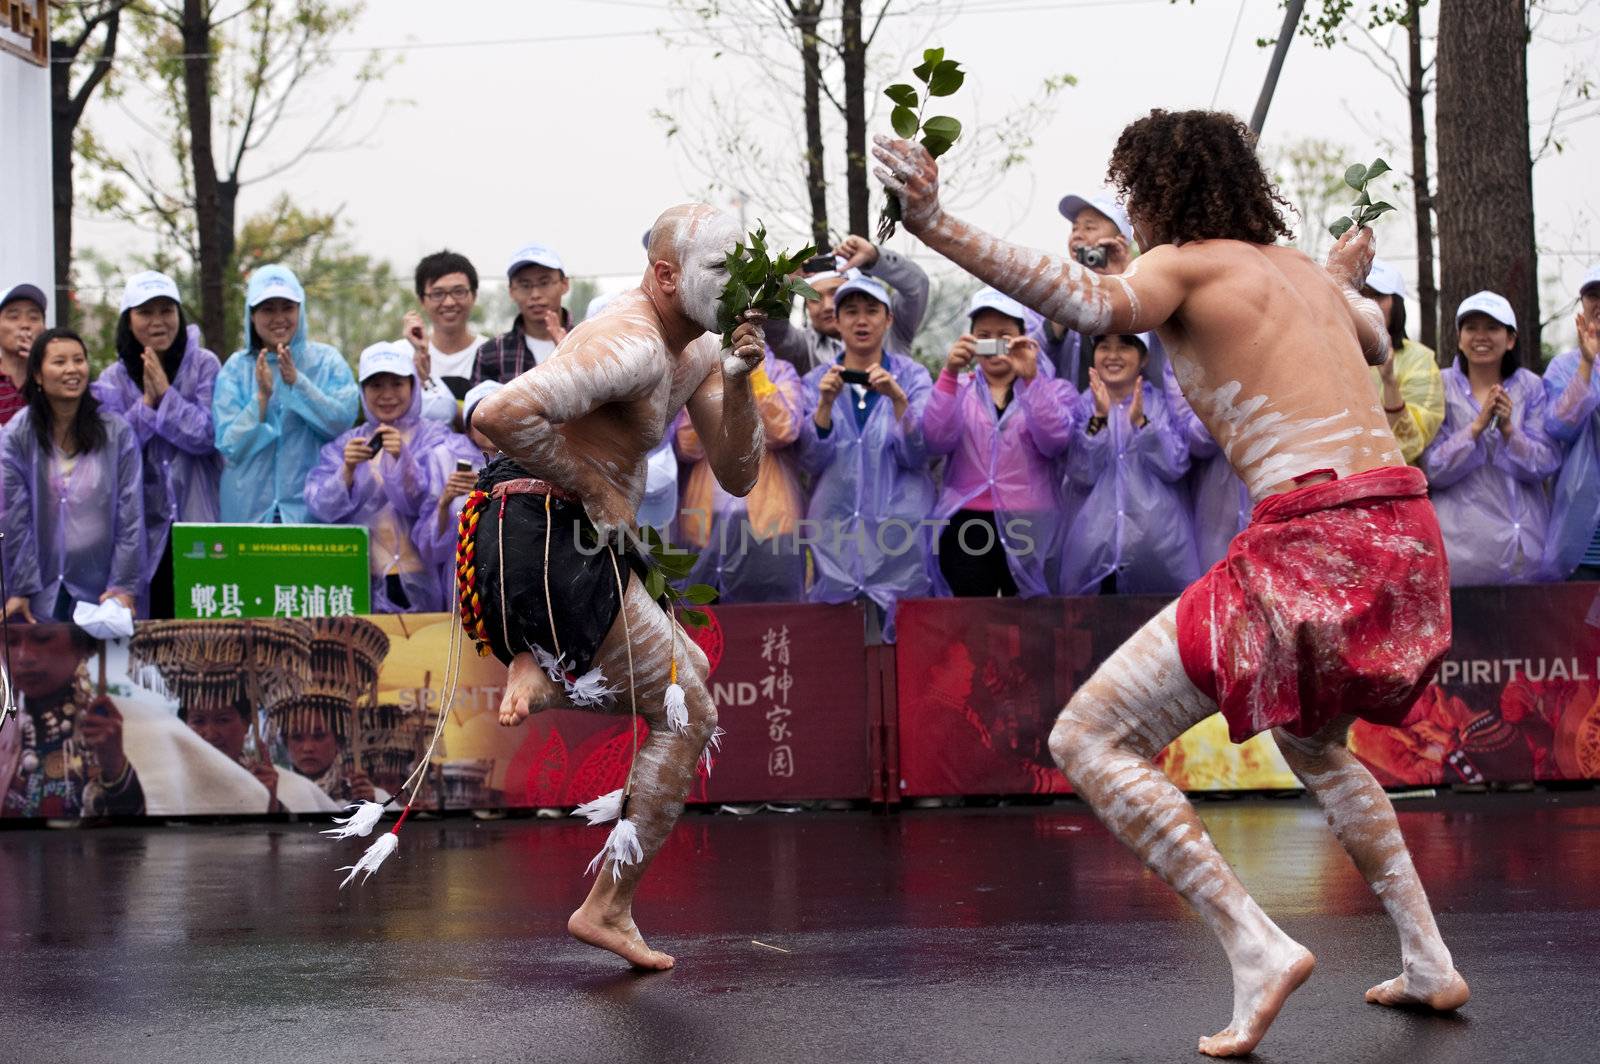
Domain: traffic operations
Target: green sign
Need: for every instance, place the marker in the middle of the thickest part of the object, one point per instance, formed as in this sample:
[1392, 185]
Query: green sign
[269, 571]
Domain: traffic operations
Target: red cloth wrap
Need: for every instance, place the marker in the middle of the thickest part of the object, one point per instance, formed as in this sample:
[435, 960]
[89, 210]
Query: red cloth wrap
[1335, 600]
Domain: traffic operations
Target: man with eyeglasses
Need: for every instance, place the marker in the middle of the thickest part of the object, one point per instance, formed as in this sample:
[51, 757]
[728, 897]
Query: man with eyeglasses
[445, 348]
[538, 283]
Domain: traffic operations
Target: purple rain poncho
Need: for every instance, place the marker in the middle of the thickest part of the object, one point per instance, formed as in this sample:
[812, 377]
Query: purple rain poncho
[75, 524]
[1490, 493]
[386, 495]
[1134, 520]
[182, 468]
[1012, 455]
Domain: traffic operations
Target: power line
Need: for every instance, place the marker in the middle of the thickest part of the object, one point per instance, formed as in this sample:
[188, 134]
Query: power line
[1227, 55]
[998, 7]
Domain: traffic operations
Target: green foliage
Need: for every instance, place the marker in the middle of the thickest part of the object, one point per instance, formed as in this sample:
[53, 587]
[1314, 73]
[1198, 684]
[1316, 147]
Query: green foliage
[939, 77]
[1327, 21]
[760, 280]
[1359, 177]
[670, 566]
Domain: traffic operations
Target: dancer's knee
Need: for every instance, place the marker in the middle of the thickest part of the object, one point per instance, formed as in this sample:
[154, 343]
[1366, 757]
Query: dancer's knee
[1073, 735]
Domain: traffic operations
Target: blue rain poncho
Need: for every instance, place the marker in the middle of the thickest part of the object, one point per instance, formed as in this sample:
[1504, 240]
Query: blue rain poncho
[268, 459]
[872, 497]
[1490, 493]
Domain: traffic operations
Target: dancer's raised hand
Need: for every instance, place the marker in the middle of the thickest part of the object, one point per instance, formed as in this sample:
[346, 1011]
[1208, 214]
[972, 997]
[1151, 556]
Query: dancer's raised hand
[910, 173]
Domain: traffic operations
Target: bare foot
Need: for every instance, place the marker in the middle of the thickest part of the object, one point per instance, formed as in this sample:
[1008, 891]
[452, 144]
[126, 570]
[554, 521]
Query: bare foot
[620, 936]
[1257, 997]
[528, 689]
[1444, 993]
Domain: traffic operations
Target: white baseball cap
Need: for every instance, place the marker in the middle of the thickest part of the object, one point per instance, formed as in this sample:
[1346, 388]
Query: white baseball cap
[1493, 304]
[1072, 205]
[870, 286]
[390, 356]
[475, 395]
[1590, 279]
[273, 286]
[143, 287]
[993, 299]
[535, 255]
[1384, 278]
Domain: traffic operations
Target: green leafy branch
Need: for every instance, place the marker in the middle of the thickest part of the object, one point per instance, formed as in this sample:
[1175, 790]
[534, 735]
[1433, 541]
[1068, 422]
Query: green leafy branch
[670, 566]
[759, 280]
[939, 77]
[1359, 178]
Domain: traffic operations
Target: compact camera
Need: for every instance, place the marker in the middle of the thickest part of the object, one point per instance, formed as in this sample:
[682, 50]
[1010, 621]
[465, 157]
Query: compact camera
[1092, 257]
[990, 348]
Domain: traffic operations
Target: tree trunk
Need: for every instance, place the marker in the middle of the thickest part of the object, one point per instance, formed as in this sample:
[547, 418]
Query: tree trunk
[855, 115]
[63, 124]
[806, 15]
[215, 236]
[1422, 195]
[1486, 234]
[66, 111]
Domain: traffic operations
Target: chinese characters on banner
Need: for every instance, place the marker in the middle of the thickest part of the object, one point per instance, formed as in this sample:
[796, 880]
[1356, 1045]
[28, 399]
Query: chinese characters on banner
[775, 687]
[288, 600]
[292, 571]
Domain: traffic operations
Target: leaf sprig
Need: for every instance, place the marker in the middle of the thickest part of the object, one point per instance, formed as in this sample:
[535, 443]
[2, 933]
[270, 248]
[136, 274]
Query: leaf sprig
[758, 279]
[1359, 177]
[939, 77]
[669, 566]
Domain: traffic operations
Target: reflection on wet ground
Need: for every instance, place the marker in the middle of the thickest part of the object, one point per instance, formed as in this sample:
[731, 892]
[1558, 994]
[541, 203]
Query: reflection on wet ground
[945, 935]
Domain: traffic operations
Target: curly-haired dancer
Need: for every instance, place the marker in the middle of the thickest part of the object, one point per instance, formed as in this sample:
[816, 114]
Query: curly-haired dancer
[1333, 604]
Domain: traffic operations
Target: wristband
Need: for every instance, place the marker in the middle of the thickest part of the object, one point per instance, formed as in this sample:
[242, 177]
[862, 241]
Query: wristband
[1094, 426]
[1401, 409]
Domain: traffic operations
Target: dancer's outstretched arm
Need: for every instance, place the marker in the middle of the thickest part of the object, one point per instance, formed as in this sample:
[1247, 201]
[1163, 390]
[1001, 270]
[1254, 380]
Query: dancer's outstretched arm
[723, 409]
[1064, 291]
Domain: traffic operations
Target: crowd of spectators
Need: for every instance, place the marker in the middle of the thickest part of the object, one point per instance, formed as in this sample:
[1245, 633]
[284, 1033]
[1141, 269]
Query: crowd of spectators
[1037, 461]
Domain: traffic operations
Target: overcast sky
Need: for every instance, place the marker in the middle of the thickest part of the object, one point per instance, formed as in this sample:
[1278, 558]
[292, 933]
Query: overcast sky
[506, 121]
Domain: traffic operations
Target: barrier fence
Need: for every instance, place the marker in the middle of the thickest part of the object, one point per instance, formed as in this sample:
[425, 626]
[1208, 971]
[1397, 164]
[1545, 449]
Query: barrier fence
[961, 706]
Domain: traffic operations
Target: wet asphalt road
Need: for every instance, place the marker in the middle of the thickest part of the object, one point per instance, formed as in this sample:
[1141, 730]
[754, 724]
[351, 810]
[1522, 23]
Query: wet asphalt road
[1008, 935]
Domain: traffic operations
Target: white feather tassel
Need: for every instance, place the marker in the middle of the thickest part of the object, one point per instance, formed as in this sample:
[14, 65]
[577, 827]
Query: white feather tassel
[376, 854]
[590, 689]
[677, 708]
[553, 667]
[621, 848]
[603, 810]
[713, 746]
[361, 822]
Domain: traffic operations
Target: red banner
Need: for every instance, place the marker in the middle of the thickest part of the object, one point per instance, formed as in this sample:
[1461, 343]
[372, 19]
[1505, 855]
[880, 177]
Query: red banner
[790, 686]
[981, 682]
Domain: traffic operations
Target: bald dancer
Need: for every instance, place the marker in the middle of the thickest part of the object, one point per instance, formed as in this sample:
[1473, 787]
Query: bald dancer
[1333, 604]
[575, 432]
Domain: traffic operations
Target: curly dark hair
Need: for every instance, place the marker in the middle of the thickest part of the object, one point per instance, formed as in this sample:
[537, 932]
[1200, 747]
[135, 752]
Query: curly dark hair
[1194, 175]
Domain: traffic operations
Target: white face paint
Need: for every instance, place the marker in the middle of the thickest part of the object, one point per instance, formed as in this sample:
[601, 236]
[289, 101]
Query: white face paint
[703, 247]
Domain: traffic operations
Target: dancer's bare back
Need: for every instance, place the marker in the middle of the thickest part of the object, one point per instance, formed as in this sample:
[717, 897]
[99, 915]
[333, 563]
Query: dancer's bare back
[1270, 348]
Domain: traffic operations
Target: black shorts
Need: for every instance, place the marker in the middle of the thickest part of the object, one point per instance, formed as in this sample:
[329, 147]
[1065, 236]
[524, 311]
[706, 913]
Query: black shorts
[584, 597]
